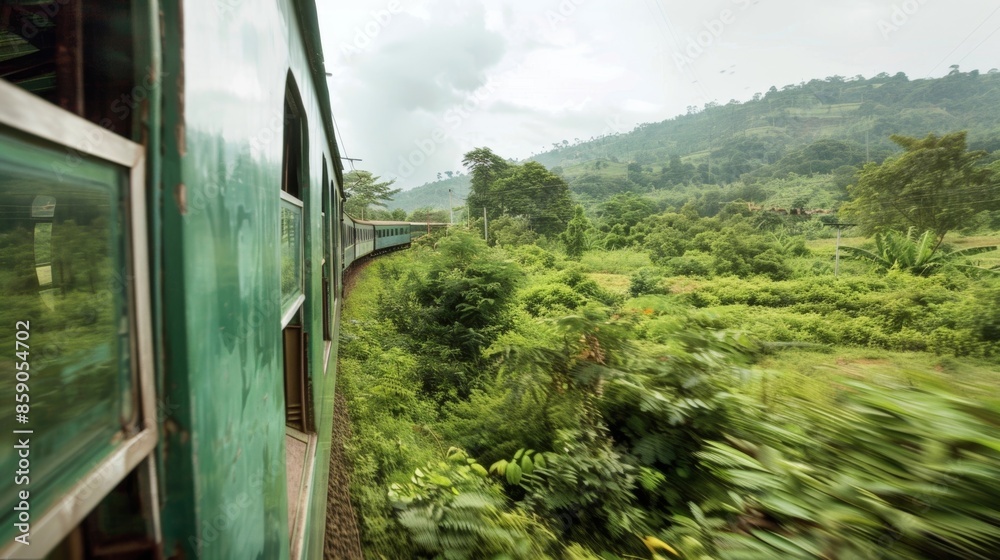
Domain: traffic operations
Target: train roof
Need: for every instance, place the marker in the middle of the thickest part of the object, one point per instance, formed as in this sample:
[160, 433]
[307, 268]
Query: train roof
[381, 222]
[392, 223]
[309, 22]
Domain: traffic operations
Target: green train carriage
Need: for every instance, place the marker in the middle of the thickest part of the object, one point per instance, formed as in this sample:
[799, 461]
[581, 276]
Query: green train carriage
[172, 246]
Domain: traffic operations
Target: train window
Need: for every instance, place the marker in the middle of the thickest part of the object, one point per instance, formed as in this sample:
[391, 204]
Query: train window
[291, 252]
[293, 216]
[327, 257]
[74, 280]
[337, 241]
[79, 59]
[292, 206]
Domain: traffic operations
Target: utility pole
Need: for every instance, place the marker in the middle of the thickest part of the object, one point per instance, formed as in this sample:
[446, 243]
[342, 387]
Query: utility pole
[451, 210]
[486, 229]
[836, 265]
[836, 262]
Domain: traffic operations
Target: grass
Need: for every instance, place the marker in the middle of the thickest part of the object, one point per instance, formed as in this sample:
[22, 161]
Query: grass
[623, 261]
[608, 170]
[617, 283]
[816, 375]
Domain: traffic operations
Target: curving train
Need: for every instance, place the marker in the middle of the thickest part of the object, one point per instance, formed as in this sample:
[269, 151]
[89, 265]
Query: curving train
[172, 254]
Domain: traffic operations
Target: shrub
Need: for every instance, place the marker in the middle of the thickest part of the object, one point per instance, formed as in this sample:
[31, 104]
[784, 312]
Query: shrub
[693, 263]
[645, 281]
[582, 284]
[885, 472]
[451, 510]
[533, 256]
[551, 298]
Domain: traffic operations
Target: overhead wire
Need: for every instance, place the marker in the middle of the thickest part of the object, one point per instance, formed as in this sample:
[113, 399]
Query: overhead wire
[674, 40]
[962, 42]
[980, 43]
[336, 128]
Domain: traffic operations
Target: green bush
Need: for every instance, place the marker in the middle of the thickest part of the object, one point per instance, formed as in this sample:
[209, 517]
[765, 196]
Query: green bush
[533, 257]
[450, 509]
[551, 298]
[645, 281]
[582, 284]
[693, 263]
[884, 472]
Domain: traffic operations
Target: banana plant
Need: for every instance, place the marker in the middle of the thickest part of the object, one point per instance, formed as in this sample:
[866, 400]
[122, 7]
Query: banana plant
[918, 255]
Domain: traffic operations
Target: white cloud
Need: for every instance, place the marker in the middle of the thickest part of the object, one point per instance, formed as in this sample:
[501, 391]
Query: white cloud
[518, 75]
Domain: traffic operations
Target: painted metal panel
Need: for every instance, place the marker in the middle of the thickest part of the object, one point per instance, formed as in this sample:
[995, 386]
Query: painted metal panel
[225, 453]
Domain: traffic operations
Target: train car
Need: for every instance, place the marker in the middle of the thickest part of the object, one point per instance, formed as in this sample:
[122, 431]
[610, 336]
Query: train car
[349, 247]
[365, 243]
[172, 248]
[388, 236]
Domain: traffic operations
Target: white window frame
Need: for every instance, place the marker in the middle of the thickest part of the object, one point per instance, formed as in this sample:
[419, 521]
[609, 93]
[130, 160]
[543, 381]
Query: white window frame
[296, 304]
[35, 117]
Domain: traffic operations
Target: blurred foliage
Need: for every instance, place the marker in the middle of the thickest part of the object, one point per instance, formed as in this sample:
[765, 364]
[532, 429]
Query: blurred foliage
[451, 511]
[884, 472]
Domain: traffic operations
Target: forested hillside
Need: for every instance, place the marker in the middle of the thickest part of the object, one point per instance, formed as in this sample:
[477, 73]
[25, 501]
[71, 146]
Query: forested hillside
[433, 195]
[797, 146]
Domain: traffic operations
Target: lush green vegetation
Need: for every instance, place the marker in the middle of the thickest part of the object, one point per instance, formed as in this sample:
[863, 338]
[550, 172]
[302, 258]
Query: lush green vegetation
[687, 416]
[686, 372]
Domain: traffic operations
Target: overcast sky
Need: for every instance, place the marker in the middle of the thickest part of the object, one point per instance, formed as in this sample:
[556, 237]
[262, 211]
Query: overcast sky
[417, 83]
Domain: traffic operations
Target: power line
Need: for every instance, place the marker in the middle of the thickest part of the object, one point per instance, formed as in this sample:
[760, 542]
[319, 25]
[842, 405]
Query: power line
[678, 47]
[967, 37]
[980, 43]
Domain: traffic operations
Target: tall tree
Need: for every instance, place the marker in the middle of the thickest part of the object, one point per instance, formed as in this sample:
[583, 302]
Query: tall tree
[529, 190]
[534, 192]
[364, 190]
[575, 236]
[935, 184]
[486, 167]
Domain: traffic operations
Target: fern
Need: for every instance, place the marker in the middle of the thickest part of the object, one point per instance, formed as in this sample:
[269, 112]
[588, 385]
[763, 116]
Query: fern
[451, 511]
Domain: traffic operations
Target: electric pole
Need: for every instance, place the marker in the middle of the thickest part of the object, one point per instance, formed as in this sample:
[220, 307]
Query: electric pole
[486, 229]
[836, 265]
[451, 210]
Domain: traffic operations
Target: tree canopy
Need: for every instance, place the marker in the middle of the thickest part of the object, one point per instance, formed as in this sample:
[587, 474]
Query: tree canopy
[935, 184]
[528, 190]
[364, 190]
[485, 167]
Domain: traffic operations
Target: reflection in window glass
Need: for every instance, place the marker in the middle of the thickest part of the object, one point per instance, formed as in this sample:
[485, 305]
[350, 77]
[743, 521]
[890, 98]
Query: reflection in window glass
[291, 252]
[62, 273]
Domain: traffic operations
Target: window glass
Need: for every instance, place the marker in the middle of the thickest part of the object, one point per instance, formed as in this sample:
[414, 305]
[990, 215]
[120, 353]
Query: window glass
[64, 285]
[291, 253]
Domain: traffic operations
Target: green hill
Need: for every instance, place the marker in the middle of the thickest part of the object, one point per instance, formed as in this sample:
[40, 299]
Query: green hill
[797, 145]
[433, 195]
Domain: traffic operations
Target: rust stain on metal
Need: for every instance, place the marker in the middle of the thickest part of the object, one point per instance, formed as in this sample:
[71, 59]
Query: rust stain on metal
[181, 146]
[180, 196]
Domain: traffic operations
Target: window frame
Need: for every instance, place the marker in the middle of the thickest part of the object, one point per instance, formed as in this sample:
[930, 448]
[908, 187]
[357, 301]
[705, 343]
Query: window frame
[295, 304]
[36, 118]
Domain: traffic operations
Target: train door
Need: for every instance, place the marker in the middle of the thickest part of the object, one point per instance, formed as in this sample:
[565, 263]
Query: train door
[296, 306]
